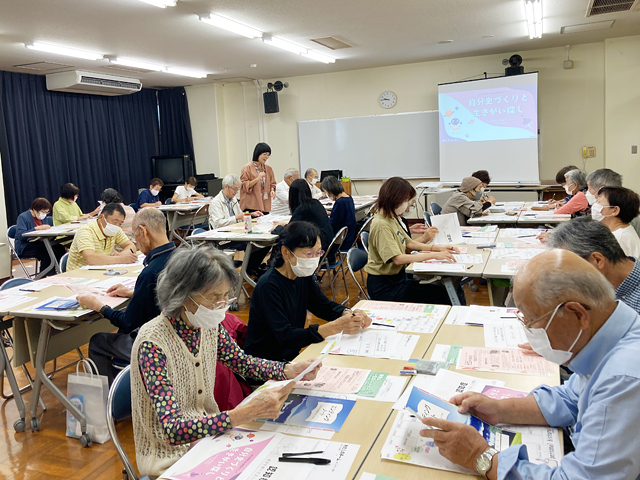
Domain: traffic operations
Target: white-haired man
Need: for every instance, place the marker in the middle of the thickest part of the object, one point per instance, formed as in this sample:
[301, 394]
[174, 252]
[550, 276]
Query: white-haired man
[311, 176]
[224, 209]
[571, 317]
[280, 204]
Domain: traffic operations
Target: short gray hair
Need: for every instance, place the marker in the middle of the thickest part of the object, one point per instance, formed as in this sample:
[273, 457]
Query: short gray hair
[309, 171]
[583, 236]
[152, 218]
[291, 172]
[189, 271]
[604, 177]
[576, 176]
[230, 180]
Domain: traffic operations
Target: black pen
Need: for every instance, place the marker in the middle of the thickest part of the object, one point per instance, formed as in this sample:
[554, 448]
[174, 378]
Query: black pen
[313, 460]
[297, 454]
[382, 325]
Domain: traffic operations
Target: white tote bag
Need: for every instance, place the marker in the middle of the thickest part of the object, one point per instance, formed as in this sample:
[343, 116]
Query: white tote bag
[88, 391]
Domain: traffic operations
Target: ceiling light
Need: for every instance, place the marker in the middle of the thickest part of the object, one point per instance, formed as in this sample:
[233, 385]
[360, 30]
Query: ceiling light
[284, 45]
[186, 73]
[319, 57]
[533, 10]
[230, 25]
[161, 3]
[71, 52]
[136, 64]
[441, 42]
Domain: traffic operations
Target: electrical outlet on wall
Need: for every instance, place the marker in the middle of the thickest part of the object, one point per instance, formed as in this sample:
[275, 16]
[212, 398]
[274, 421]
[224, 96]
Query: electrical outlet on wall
[634, 149]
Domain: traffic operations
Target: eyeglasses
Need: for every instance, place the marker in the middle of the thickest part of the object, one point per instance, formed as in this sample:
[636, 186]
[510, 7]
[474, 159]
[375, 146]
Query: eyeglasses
[218, 305]
[317, 254]
[235, 189]
[526, 325]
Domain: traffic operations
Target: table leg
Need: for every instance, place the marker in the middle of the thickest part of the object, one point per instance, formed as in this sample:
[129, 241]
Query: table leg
[451, 290]
[5, 367]
[42, 379]
[490, 290]
[54, 261]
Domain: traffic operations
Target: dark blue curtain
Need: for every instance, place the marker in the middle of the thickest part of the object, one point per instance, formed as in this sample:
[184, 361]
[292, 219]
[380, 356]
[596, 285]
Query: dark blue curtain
[51, 138]
[175, 125]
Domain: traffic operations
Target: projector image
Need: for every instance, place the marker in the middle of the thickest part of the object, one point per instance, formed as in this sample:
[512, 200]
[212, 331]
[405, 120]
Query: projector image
[431, 187]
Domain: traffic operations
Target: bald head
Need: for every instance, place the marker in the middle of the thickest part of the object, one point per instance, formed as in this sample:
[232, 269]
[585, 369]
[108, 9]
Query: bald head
[557, 276]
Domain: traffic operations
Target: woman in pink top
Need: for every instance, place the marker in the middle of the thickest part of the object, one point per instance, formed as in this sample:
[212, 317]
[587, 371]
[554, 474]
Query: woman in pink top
[258, 181]
[576, 186]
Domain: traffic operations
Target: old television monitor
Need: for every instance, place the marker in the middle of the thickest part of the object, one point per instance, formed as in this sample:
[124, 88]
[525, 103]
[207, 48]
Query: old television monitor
[330, 173]
[172, 168]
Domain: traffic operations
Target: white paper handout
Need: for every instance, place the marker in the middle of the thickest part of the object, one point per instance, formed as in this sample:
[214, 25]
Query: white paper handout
[515, 253]
[376, 344]
[447, 384]
[448, 227]
[444, 267]
[504, 334]
[334, 343]
[480, 314]
[115, 265]
[469, 258]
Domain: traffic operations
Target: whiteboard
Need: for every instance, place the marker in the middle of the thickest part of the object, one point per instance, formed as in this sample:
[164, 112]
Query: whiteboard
[373, 147]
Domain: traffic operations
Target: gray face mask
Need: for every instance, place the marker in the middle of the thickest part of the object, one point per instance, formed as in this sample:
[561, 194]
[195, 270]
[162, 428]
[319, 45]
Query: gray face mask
[477, 195]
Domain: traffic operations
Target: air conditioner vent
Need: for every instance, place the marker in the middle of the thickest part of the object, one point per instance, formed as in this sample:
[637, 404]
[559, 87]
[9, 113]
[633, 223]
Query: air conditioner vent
[600, 7]
[105, 82]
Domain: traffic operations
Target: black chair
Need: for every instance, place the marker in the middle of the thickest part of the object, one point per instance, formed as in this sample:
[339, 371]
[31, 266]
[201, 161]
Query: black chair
[356, 260]
[435, 208]
[364, 237]
[119, 408]
[332, 261]
[168, 201]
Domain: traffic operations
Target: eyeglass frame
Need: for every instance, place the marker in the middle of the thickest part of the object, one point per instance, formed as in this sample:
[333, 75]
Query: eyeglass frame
[520, 316]
[317, 255]
[217, 305]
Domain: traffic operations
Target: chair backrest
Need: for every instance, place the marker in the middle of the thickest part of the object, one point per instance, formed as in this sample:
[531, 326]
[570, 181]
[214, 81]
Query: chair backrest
[119, 408]
[168, 201]
[198, 230]
[364, 228]
[426, 216]
[11, 232]
[11, 239]
[14, 282]
[63, 262]
[203, 210]
[435, 208]
[140, 190]
[356, 260]
[365, 241]
[330, 255]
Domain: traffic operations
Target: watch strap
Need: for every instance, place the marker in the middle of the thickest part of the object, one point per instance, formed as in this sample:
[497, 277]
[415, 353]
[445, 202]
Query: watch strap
[488, 456]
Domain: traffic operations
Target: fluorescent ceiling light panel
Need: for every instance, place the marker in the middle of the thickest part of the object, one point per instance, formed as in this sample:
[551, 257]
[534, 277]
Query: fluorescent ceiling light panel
[230, 25]
[70, 52]
[285, 45]
[319, 57]
[186, 73]
[136, 64]
[161, 3]
[533, 10]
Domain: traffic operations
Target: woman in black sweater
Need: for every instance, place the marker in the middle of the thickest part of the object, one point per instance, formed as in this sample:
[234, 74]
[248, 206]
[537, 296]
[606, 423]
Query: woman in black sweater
[286, 291]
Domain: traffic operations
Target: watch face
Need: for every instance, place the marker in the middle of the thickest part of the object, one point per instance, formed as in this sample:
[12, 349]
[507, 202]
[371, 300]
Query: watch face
[483, 464]
[388, 99]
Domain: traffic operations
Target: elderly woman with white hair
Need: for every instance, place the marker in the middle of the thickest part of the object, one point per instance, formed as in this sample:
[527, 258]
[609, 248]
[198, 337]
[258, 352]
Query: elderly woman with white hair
[176, 354]
[576, 188]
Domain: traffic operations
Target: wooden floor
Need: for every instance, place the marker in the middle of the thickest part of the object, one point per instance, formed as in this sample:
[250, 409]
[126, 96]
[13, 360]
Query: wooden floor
[49, 454]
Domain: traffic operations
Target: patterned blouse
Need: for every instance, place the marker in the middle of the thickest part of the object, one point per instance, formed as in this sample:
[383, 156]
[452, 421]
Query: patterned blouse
[153, 365]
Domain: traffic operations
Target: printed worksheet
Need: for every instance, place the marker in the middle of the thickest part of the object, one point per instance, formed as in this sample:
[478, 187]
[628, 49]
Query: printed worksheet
[11, 300]
[448, 227]
[447, 384]
[512, 266]
[439, 267]
[480, 314]
[515, 253]
[377, 344]
[418, 318]
[521, 232]
[470, 258]
[504, 360]
[336, 379]
[504, 334]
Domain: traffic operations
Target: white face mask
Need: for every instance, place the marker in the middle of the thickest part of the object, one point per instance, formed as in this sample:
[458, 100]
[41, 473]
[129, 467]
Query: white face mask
[155, 192]
[591, 198]
[402, 208]
[305, 267]
[540, 343]
[567, 189]
[205, 318]
[41, 215]
[411, 208]
[314, 181]
[596, 212]
[110, 229]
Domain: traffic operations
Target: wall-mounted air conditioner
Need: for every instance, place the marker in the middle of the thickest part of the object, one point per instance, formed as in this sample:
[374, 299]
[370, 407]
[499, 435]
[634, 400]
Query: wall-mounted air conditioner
[93, 83]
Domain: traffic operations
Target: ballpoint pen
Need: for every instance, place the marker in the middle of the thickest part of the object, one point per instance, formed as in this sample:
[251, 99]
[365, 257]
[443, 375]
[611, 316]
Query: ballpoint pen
[313, 460]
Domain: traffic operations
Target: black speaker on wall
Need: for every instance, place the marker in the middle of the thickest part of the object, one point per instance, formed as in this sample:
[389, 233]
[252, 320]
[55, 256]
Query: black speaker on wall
[271, 102]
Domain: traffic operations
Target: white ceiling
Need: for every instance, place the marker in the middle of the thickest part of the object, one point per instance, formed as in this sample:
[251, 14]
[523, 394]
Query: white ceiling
[381, 32]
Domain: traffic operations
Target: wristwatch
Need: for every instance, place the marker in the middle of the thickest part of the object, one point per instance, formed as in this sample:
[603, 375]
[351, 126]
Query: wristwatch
[483, 463]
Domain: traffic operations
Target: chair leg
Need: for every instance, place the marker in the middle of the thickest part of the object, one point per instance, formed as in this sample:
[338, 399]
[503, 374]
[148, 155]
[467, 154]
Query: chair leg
[346, 287]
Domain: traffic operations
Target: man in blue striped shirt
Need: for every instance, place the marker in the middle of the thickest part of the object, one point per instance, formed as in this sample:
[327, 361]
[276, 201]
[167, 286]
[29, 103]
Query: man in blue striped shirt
[594, 242]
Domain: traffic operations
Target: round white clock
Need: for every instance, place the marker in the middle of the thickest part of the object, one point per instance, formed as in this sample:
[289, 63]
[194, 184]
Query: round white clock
[388, 99]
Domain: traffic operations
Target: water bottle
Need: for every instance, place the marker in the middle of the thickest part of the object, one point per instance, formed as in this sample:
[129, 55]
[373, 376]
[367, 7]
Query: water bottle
[247, 222]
